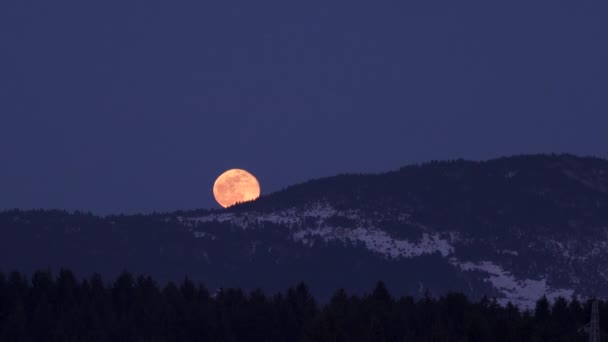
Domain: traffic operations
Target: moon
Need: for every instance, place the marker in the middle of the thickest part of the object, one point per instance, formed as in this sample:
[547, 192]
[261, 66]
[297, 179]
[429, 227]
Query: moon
[234, 186]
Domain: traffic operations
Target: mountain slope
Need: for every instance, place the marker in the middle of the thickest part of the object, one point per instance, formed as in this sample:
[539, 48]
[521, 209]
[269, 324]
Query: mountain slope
[515, 228]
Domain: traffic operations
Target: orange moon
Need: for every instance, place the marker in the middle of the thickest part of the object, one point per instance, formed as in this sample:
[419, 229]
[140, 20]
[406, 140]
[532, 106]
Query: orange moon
[234, 186]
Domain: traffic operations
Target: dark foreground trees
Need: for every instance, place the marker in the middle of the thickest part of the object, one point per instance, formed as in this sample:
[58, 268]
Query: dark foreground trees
[63, 308]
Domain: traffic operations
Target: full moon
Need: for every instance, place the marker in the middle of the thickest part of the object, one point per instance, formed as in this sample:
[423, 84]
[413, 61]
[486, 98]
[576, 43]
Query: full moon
[234, 186]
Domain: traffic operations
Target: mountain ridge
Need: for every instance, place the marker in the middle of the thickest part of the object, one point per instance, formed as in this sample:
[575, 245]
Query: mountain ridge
[515, 228]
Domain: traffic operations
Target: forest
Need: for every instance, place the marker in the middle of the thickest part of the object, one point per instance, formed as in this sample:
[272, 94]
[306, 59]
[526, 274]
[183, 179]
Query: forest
[63, 307]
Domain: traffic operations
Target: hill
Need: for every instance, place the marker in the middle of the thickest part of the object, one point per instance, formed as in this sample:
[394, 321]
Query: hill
[514, 228]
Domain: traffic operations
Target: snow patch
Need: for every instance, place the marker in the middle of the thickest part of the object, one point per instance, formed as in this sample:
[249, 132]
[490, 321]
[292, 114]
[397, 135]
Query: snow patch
[310, 224]
[521, 292]
[511, 174]
[289, 217]
[198, 234]
[377, 241]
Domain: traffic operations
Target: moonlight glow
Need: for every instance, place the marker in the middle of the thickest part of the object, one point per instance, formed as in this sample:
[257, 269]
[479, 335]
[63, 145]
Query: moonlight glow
[235, 186]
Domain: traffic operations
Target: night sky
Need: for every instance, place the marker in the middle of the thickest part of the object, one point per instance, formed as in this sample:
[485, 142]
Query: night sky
[135, 106]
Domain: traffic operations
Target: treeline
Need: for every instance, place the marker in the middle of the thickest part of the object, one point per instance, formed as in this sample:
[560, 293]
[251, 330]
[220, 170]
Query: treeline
[64, 308]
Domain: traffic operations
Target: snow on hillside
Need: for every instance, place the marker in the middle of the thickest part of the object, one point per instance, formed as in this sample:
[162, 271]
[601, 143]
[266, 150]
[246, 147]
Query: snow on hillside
[313, 224]
[364, 233]
[377, 241]
[290, 218]
[521, 292]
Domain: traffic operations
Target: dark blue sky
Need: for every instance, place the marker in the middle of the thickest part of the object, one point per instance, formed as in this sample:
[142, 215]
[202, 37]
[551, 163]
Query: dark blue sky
[128, 106]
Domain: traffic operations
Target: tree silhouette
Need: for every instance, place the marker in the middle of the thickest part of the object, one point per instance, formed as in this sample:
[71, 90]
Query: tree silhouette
[63, 308]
